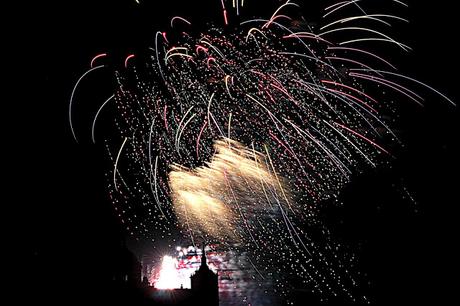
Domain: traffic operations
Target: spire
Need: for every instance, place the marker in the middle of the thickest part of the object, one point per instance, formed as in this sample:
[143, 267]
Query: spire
[204, 263]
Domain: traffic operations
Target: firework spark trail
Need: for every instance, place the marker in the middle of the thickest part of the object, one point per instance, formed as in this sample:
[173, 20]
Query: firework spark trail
[415, 81]
[364, 52]
[72, 96]
[224, 182]
[370, 17]
[96, 57]
[93, 127]
[205, 105]
[115, 167]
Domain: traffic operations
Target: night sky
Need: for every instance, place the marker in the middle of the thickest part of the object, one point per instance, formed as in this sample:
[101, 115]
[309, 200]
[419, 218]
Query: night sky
[67, 223]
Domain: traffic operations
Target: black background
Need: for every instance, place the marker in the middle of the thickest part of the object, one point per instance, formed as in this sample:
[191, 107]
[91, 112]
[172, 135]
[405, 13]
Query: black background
[65, 219]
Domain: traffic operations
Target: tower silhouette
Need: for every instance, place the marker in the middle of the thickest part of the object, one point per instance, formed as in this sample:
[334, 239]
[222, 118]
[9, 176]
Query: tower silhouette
[205, 283]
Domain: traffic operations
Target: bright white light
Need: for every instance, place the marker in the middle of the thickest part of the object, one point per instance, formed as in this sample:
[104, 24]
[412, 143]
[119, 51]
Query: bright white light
[168, 278]
[175, 272]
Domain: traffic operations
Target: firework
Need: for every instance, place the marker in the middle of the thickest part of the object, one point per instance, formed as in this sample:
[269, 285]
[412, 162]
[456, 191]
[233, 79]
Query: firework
[223, 198]
[235, 135]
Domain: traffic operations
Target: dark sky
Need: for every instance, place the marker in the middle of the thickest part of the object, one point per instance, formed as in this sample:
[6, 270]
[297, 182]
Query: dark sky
[60, 197]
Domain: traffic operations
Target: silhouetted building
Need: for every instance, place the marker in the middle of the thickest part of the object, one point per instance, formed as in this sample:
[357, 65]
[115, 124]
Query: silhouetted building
[205, 283]
[145, 282]
[204, 289]
[129, 288]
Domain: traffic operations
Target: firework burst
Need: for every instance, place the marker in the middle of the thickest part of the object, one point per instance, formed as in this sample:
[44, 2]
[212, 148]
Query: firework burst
[236, 135]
